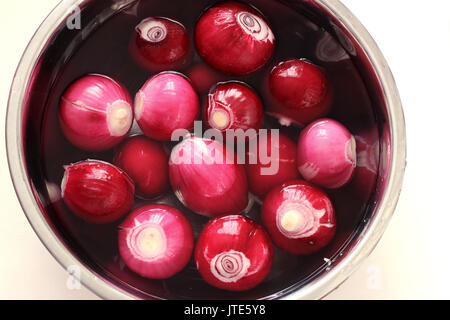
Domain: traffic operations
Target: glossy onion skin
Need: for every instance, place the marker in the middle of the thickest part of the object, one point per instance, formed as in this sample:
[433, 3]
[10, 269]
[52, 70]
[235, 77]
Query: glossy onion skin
[260, 183]
[203, 180]
[299, 92]
[97, 191]
[314, 205]
[95, 113]
[147, 163]
[160, 44]
[233, 253]
[165, 103]
[174, 241]
[234, 38]
[237, 104]
[327, 154]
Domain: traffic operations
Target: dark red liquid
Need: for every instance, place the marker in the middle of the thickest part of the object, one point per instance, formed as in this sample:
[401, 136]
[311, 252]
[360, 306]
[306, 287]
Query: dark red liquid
[104, 50]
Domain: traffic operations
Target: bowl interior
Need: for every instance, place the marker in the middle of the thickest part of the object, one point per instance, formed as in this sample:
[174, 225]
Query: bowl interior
[100, 46]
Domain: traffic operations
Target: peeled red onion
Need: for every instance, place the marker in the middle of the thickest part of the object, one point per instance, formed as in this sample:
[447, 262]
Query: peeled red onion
[327, 154]
[147, 163]
[156, 241]
[233, 253]
[233, 105]
[280, 164]
[206, 179]
[299, 217]
[203, 77]
[160, 44]
[95, 113]
[165, 103]
[234, 38]
[298, 92]
[97, 191]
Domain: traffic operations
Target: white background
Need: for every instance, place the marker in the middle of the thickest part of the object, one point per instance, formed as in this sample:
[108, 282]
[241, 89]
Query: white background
[412, 259]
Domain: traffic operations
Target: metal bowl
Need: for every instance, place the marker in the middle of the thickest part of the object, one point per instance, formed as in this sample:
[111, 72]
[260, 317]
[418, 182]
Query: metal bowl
[26, 108]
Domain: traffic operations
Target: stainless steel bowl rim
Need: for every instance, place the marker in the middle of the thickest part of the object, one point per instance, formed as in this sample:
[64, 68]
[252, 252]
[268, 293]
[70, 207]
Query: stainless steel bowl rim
[317, 288]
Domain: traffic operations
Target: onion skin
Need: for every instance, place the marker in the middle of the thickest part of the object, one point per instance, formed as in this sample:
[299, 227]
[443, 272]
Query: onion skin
[147, 163]
[327, 154]
[233, 105]
[234, 38]
[299, 217]
[165, 103]
[299, 92]
[233, 253]
[203, 180]
[259, 183]
[156, 241]
[160, 44]
[97, 191]
[95, 113]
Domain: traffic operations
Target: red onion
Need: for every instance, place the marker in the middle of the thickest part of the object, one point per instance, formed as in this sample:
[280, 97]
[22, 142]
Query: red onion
[299, 217]
[203, 77]
[147, 163]
[160, 44]
[95, 113]
[233, 253]
[327, 154]
[233, 105]
[165, 103]
[299, 92]
[280, 166]
[156, 241]
[97, 191]
[234, 38]
[206, 179]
